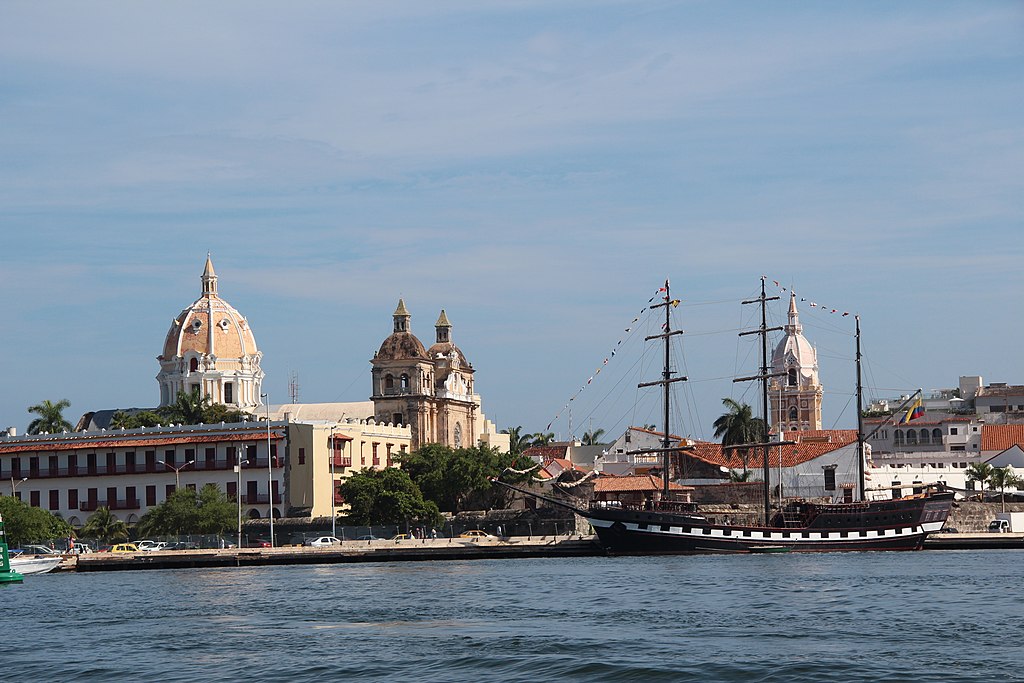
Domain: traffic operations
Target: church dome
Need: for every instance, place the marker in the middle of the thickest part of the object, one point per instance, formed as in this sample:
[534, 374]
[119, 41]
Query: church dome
[794, 351]
[402, 344]
[210, 345]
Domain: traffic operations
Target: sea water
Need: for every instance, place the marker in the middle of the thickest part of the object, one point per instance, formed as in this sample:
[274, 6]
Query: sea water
[924, 616]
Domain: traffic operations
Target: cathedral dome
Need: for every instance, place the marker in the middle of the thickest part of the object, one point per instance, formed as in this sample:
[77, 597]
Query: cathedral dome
[402, 344]
[210, 346]
[794, 351]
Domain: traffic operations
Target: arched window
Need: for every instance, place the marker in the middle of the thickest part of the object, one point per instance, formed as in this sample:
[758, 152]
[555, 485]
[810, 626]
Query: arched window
[793, 414]
[936, 435]
[405, 382]
[897, 437]
[792, 377]
[458, 435]
[911, 437]
[193, 365]
[389, 382]
[924, 436]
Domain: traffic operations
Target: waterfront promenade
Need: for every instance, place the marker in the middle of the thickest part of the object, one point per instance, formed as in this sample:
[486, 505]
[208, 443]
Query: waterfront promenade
[407, 550]
[415, 550]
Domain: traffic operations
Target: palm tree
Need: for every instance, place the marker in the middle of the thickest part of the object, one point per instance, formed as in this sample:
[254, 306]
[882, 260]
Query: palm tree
[517, 441]
[979, 472]
[591, 438]
[541, 439]
[189, 408]
[104, 526]
[738, 426]
[51, 417]
[1000, 478]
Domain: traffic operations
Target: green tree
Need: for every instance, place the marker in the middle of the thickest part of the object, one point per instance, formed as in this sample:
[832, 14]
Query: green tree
[979, 472]
[738, 426]
[188, 408]
[191, 408]
[104, 526]
[735, 476]
[51, 417]
[386, 496]
[1001, 478]
[460, 479]
[541, 439]
[143, 418]
[26, 524]
[518, 442]
[592, 438]
[208, 511]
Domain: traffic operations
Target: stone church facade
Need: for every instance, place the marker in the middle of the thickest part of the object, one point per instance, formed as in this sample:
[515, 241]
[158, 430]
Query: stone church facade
[430, 390]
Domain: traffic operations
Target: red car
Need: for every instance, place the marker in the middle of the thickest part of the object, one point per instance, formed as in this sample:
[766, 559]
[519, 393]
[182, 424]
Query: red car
[258, 543]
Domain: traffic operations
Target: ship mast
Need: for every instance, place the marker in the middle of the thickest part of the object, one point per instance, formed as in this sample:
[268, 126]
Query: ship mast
[664, 382]
[764, 377]
[860, 420]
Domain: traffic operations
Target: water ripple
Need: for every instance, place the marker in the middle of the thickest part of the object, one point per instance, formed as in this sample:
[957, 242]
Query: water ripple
[890, 617]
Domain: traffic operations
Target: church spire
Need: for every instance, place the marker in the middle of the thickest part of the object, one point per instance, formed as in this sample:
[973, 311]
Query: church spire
[402, 317]
[209, 278]
[794, 326]
[444, 328]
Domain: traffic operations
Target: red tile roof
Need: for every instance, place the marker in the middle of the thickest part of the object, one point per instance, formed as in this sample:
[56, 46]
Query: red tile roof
[812, 444]
[546, 453]
[561, 462]
[1001, 437]
[104, 441]
[640, 482]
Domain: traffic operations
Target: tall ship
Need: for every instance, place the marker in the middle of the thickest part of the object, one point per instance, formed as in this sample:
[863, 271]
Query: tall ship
[672, 526]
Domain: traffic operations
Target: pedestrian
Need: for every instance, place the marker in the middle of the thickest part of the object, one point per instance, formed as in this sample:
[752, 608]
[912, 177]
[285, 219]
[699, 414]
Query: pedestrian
[433, 534]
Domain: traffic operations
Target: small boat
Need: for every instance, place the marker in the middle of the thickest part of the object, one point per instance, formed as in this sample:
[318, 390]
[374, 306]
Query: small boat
[667, 526]
[34, 564]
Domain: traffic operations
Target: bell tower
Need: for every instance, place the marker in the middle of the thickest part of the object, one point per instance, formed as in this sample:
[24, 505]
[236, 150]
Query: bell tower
[795, 396]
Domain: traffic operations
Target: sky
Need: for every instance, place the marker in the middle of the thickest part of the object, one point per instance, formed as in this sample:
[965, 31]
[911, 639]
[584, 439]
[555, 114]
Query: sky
[537, 169]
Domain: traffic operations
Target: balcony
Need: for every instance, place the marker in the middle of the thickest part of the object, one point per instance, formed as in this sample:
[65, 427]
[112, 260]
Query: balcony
[342, 461]
[260, 499]
[116, 504]
[134, 468]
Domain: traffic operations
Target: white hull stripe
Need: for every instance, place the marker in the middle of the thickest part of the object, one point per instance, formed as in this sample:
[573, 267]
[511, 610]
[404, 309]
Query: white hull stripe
[789, 537]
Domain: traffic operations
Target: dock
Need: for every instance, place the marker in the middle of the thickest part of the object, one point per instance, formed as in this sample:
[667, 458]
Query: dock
[406, 550]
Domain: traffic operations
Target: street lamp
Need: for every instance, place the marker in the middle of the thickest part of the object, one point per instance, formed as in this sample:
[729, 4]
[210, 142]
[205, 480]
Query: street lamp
[334, 516]
[270, 473]
[238, 496]
[177, 479]
[15, 485]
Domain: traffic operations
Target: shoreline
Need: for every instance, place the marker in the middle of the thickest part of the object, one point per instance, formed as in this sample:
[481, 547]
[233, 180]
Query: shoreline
[425, 550]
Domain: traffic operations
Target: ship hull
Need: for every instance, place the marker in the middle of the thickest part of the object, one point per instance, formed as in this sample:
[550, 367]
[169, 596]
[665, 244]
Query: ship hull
[890, 525]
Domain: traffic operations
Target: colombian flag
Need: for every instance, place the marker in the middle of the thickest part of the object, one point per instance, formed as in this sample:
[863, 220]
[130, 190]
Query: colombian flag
[915, 411]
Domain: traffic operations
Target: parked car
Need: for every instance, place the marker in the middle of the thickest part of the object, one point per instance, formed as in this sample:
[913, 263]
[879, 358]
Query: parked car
[949, 530]
[150, 545]
[476, 533]
[81, 548]
[124, 548]
[181, 545]
[367, 537]
[323, 542]
[258, 543]
[402, 537]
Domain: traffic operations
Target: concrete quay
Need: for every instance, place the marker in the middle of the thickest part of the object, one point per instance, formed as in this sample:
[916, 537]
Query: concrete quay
[974, 541]
[408, 550]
